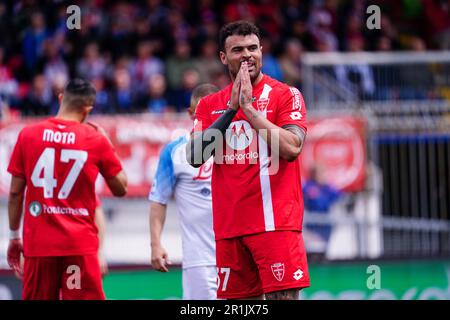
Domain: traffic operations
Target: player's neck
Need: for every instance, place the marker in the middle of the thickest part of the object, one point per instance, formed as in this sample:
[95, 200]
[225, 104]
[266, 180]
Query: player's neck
[258, 79]
[69, 116]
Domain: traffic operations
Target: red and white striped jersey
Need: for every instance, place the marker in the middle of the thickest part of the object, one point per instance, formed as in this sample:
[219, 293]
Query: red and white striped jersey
[252, 190]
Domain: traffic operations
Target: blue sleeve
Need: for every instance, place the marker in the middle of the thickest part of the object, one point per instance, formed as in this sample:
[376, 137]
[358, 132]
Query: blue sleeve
[164, 180]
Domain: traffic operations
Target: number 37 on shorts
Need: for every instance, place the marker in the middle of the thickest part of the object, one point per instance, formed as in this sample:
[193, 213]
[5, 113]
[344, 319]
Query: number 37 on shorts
[223, 273]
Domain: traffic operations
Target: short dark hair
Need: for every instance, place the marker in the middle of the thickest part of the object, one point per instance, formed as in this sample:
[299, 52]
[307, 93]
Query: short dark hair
[241, 28]
[79, 93]
[199, 92]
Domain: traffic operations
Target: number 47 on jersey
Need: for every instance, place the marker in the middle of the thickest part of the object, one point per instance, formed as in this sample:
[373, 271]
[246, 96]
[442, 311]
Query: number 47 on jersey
[46, 164]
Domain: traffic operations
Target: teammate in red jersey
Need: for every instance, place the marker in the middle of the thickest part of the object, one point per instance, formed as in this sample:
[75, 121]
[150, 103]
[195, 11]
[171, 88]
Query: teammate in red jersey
[57, 162]
[255, 128]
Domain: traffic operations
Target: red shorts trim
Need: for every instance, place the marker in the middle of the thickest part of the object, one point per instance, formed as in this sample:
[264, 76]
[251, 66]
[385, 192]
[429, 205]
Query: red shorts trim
[65, 278]
[252, 265]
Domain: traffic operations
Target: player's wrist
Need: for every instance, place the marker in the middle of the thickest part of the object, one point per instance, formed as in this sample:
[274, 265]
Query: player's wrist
[14, 234]
[155, 245]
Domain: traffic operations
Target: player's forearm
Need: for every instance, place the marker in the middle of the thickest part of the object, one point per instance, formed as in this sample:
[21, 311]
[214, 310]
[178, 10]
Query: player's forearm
[118, 184]
[15, 202]
[15, 207]
[202, 145]
[100, 221]
[157, 220]
[197, 149]
[285, 143]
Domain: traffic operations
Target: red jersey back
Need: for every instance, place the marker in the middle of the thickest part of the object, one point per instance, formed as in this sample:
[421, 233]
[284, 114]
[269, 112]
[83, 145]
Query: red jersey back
[253, 191]
[60, 161]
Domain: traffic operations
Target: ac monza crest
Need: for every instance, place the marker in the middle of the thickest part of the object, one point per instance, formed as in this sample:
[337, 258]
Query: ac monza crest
[262, 104]
[278, 270]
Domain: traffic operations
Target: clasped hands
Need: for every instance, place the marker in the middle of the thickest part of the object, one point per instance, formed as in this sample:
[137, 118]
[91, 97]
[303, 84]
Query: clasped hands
[241, 92]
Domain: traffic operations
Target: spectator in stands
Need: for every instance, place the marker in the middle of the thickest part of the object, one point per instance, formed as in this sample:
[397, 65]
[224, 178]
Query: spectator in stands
[123, 97]
[270, 64]
[157, 12]
[385, 75]
[208, 17]
[180, 36]
[295, 15]
[240, 10]
[145, 66]
[92, 65]
[33, 41]
[39, 99]
[182, 96]
[319, 197]
[321, 25]
[54, 65]
[415, 80]
[8, 85]
[178, 26]
[269, 17]
[155, 100]
[290, 63]
[358, 77]
[178, 63]
[384, 44]
[437, 17]
[103, 103]
[207, 64]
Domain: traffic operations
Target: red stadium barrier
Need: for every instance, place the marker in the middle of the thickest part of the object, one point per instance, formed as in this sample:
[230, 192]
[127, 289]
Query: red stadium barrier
[337, 146]
[137, 139]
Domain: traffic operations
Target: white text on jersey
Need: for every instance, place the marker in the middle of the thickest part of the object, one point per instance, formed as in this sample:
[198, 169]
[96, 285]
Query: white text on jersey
[59, 137]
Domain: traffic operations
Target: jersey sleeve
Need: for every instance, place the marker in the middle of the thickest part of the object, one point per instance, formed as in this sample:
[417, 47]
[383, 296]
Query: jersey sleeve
[291, 109]
[110, 164]
[164, 181]
[16, 165]
[202, 120]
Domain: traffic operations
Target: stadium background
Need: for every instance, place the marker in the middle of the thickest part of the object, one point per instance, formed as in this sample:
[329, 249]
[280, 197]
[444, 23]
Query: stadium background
[378, 106]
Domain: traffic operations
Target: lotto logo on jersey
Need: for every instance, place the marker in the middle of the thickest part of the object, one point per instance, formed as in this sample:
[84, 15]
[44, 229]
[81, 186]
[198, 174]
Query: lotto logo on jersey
[239, 135]
[35, 208]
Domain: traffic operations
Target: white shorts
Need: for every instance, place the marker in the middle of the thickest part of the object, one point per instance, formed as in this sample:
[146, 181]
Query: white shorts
[200, 283]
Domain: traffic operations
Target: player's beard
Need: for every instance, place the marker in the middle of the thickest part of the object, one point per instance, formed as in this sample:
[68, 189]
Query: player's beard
[255, 74]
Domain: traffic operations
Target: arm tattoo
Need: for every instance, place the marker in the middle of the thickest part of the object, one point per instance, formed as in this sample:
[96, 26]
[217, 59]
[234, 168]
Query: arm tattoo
[290, 294]
[253, 114]
[299, 132]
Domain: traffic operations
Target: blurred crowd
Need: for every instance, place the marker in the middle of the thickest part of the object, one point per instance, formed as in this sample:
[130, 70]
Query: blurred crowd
[147, 56]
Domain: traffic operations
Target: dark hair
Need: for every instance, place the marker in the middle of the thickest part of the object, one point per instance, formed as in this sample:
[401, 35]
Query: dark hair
[199, 92]
[241, 28]
[79, 93]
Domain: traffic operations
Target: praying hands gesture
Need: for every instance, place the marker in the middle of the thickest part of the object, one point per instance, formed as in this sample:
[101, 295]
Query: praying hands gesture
[245, 94]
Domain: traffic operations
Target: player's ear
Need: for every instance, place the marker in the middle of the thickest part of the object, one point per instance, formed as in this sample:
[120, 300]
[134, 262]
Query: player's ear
[88, 109]
[60, 97]
[223, 57]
